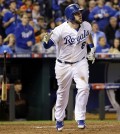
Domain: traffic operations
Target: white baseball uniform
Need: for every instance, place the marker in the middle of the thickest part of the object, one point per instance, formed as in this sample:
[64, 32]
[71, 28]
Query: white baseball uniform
[71, 47]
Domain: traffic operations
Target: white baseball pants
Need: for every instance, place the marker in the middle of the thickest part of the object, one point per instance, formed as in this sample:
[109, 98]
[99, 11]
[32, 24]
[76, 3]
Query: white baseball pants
[64, 75]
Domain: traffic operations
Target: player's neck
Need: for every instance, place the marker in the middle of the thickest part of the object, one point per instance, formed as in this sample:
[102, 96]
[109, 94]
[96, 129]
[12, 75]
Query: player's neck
[74, 25]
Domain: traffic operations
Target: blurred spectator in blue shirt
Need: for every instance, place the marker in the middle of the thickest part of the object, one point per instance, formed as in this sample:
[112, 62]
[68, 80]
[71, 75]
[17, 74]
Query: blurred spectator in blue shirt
[86, 12]
[117, 33]
[4, 47]
[59, 21]
[102, 46]
[25, 37]
[110, 30]
[117, 15]
[96, 33]
[56, 9]
[10, 18]
[101, 14]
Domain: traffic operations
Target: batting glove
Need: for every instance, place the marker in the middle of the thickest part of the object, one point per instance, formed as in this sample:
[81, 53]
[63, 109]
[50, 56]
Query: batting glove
[91, 55]
[47, 37]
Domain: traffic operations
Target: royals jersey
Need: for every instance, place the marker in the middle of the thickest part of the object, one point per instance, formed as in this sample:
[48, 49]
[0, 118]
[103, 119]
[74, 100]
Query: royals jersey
[70, 43]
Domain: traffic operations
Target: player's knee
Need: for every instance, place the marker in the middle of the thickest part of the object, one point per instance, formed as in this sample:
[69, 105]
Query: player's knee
[82, 84]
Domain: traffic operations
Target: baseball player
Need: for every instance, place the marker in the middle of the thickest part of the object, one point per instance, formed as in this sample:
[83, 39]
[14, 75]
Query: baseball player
[71, 39]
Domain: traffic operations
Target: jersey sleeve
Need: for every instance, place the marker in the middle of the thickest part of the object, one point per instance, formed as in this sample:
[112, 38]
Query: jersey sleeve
[88, 26]
[55, 37]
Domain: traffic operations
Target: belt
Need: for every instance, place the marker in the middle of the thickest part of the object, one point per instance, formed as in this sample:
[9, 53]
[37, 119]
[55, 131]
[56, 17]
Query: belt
[67, 62]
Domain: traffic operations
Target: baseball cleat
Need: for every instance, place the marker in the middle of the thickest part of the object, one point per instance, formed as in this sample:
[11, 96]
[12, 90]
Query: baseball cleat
[81, 124]
[59, 125]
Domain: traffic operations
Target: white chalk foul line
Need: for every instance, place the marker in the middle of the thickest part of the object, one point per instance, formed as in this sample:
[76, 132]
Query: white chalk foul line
[43, 127]
[40, 127]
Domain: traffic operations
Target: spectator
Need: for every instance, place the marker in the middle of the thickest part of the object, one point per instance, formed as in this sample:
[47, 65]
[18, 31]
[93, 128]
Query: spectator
[110, 30]
[27, 5]
[40, 26]
[116, 47]
[10, 18]
[51, 25]
[2, 5]
[56, 9]
[110, 4]
[42, 6]
[82, 3]
[86, 12]
[24, 35]
[10, 42]
[117, 34]
[36, 11]
[96, 33]
[116, 4]
[29, 14]
[64, 5]
[59, 21]
[101, 14]
[4, 47]
[117, 15]
[21, 106]
[19, 3]
[38, 47]
[102, 46]
[41, 23]
[2, 29]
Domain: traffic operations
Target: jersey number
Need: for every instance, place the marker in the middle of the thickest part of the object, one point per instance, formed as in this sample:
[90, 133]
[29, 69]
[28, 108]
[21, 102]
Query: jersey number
[83, 45]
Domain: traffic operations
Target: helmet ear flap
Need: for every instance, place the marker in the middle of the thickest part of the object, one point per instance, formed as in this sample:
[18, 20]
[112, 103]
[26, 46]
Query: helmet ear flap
[71, 18]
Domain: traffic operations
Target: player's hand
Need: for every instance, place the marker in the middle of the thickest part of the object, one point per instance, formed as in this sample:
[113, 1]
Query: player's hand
[47, 37]
[29, 43]
[12, 19]
[91, 55]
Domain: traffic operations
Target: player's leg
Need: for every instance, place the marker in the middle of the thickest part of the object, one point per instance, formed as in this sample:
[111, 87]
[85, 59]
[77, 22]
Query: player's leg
[81, 75]
[64, 79]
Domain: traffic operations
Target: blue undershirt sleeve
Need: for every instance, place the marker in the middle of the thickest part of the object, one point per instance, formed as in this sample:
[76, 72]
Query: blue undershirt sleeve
[49, 44]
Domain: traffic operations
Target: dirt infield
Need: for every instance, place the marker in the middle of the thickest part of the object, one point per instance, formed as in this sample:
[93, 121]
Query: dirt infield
[48, 127]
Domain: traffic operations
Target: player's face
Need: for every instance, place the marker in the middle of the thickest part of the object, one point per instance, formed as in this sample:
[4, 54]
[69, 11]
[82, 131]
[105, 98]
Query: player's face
[78, 17]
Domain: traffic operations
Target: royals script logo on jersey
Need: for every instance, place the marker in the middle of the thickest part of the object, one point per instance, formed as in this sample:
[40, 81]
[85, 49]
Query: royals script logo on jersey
[71, 40]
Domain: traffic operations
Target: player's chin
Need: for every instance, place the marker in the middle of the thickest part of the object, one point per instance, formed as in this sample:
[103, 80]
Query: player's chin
[78, 21]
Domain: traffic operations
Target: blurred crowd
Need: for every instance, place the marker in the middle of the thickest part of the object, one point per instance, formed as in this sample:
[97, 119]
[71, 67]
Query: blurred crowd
[23, 23]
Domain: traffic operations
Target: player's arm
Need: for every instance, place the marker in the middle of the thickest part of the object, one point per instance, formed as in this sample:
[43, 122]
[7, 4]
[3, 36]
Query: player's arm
[91, 54]
[47, 42]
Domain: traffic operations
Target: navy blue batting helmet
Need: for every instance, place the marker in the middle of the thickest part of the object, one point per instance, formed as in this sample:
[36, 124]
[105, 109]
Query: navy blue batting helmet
[70, 10]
